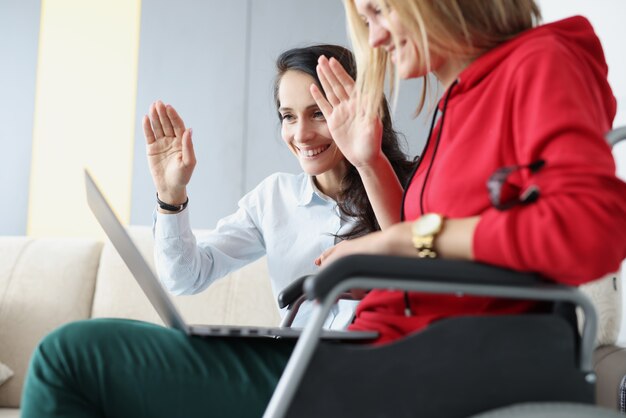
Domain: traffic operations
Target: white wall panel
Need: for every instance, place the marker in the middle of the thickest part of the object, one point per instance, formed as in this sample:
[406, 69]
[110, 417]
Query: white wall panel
[84, 112]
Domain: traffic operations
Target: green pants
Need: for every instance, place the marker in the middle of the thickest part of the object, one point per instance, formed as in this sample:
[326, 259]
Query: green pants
[122, 368]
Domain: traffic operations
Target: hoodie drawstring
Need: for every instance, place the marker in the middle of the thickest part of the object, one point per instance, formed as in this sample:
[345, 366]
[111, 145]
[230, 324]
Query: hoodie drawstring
[407, 301]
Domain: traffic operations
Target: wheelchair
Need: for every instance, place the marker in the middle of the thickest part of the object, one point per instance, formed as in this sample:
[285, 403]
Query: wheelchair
[530, 365]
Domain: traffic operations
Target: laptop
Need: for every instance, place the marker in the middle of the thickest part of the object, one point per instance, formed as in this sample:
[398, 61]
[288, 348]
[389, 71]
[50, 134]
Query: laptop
[159, 297]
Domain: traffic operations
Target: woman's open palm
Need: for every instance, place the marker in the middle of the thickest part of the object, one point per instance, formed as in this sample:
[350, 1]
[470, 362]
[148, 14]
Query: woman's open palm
[357, 135]
[170, 151]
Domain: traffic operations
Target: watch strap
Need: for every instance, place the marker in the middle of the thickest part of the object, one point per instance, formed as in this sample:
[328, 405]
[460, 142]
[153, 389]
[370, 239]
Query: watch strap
[171, 208]
[424, 247]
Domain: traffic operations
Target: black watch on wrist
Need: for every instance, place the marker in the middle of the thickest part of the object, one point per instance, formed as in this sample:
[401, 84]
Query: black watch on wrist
[171, 208]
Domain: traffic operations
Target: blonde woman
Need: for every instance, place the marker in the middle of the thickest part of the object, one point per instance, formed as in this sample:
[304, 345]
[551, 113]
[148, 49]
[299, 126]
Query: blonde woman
[516, 171]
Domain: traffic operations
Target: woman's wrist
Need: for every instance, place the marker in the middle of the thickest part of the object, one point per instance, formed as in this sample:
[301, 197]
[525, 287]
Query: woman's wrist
[373, 167]
[454, 241]
[173, 197]
[398, 240]
[171, 203]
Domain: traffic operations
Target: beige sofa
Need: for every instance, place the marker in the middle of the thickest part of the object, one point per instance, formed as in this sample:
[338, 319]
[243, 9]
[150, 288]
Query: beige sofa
[47, 282]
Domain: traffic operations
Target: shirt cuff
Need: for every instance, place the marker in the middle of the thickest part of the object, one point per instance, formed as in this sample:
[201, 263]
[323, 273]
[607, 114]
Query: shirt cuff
[171, 225]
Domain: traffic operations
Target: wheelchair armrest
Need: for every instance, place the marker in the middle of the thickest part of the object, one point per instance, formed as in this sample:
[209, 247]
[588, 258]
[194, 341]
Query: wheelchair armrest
[448, 277]
[292, 292]
[414, 269]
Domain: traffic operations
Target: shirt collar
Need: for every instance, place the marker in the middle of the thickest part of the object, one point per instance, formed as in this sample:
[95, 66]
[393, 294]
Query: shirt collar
[309, 191]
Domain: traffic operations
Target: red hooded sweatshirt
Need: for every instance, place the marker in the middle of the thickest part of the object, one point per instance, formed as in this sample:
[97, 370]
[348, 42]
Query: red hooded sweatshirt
[543, 95]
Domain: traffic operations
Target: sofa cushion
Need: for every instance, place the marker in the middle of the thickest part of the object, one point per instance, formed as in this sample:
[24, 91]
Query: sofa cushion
[242, 297]
[43, 283]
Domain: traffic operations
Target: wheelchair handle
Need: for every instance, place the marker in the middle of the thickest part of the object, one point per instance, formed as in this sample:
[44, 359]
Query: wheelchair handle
[404, 268]
[292, 292]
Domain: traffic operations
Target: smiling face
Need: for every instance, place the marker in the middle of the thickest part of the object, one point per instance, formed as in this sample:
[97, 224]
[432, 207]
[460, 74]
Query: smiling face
[382, 29]
[304, 129]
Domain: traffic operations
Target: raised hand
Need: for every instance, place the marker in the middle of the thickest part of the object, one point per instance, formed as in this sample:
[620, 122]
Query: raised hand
[357, 135]
[170, 152]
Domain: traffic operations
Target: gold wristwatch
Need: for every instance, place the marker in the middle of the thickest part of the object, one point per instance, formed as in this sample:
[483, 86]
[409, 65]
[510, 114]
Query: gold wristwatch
[425, 229]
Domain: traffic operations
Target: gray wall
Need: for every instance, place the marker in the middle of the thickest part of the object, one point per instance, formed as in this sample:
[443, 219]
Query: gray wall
[194, 57]
[217, 68]
[214, 61]
[19, 32]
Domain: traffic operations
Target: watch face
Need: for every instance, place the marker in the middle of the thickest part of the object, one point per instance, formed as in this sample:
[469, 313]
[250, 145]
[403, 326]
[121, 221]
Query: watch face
[428, 224]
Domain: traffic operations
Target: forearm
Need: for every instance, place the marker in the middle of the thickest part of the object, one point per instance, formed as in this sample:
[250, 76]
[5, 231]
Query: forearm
[180, 266]
[188, 265]
[384, 191]
[584, 229]
[453, 242]
[178, 262]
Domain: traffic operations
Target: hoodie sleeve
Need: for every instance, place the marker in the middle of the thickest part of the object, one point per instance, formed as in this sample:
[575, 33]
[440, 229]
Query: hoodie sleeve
[561, 108]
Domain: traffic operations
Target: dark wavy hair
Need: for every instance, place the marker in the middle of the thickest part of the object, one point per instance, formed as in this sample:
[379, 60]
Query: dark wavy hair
[352, 199]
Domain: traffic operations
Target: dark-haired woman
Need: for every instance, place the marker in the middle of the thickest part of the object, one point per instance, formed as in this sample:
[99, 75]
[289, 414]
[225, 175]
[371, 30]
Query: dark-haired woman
[128, 368]
[290, 218]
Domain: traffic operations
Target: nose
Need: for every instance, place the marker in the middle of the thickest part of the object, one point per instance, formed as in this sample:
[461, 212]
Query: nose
[378, 35]
[303, 131]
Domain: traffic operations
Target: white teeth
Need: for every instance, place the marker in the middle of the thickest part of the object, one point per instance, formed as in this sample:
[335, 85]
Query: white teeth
[313, 152]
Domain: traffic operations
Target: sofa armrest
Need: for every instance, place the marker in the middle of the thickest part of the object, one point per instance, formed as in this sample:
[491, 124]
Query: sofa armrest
[44, 283]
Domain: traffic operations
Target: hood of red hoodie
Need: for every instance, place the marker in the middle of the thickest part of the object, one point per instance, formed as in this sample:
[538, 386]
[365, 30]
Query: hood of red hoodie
[574, 33]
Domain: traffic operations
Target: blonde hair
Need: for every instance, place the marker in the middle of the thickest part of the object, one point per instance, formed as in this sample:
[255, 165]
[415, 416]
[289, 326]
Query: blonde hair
[450, 29]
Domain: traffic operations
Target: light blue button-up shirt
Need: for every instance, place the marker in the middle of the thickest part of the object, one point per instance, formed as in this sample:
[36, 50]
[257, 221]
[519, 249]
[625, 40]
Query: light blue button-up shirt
[285, 217]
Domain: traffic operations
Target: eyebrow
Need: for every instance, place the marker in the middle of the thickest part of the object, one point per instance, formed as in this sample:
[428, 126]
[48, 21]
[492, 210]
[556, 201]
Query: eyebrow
[370, 6]
[283, 108]
[374, 6]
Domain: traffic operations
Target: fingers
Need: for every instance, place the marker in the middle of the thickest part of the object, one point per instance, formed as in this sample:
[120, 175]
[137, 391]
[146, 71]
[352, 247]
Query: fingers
[154, 119]
[323, 259]
[147, 130]
[164, 119]
[318, 261]
[321, 101]
[189, 156]
[322, 71]
[333, 79]
[177, 123]
[342, 75]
